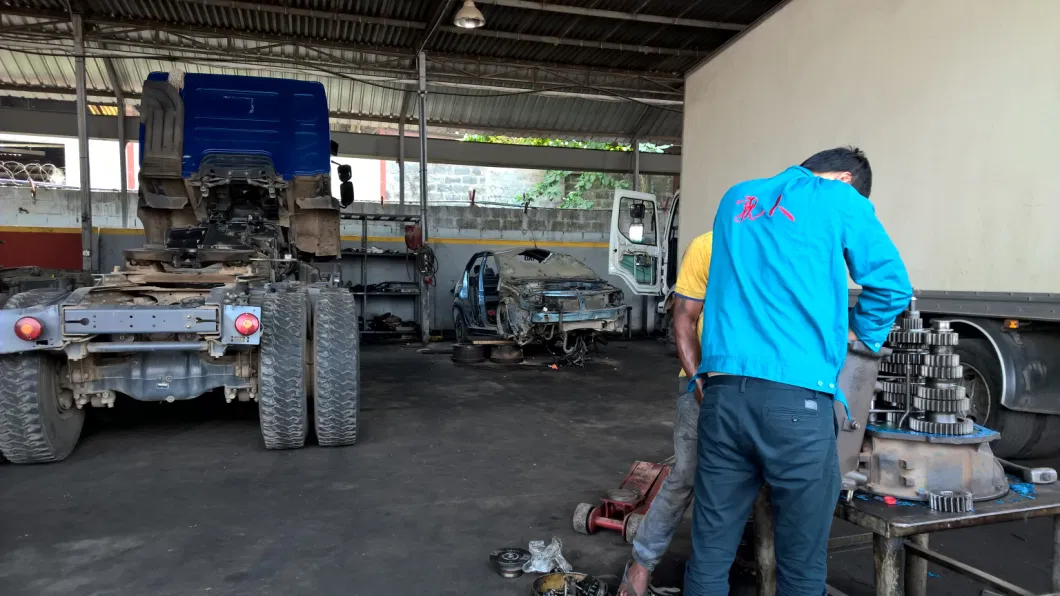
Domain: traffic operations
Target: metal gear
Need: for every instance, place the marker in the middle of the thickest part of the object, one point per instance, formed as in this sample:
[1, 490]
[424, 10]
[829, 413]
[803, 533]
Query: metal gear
[950, 501]
[943, 338]
[941, 372]
[947, 406]
[892, 368]
[898, 387]
[916, 357]
[940, 393]
[911, 323]
[894, 398]
[906, 337]
[948, 360]
[920, 424]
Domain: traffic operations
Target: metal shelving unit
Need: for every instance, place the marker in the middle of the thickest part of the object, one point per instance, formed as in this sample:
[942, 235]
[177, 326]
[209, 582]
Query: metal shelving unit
[421, 308]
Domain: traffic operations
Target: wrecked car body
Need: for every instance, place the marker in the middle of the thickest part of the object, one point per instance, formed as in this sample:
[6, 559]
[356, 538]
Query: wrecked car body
[537, 296]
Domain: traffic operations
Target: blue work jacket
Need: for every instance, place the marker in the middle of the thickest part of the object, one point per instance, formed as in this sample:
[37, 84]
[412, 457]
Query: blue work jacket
[777, 303]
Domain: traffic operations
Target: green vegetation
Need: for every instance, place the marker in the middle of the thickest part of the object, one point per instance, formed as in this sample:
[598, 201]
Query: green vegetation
[553, 187]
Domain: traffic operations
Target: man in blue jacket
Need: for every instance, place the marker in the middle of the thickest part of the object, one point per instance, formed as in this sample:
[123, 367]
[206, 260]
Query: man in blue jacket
[779, 325]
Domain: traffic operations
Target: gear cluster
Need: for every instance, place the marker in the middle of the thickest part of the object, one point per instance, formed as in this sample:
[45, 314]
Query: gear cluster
[919, 385]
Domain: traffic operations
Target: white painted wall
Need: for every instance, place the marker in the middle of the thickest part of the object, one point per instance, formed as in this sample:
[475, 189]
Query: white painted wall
[103, 160]
[956, 102]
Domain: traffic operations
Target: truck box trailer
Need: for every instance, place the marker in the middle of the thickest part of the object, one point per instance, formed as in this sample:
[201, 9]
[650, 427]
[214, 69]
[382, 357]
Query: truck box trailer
[959, 113]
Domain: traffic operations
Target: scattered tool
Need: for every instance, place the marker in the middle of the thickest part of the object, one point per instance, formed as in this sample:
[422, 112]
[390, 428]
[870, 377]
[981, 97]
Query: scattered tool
[509, 561]
[1032, 475]
[568, 584]
[623, 508]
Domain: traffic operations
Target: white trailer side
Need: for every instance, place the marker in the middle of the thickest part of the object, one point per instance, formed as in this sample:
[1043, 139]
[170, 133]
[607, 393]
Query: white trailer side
[957, 104]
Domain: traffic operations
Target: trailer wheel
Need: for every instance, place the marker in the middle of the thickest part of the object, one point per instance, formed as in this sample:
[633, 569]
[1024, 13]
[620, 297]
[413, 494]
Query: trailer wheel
[281, 370]
[38, 420]
[1023, 434]
[336, 369]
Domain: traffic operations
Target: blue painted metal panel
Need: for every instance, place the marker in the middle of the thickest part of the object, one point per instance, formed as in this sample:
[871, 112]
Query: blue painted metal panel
[282, 119]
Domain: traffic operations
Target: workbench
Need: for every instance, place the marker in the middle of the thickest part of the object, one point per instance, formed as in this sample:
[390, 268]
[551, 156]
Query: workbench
[904, 528]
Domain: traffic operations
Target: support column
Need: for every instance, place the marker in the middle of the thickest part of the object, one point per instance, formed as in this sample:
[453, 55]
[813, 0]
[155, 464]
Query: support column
[425, 289]
[888, 555]
[82, 143]
[119, 95]
[401, 160]
[916, 569]
[423, 143]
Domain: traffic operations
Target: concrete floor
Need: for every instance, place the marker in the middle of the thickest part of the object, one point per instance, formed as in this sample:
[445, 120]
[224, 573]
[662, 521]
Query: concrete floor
[452, 463]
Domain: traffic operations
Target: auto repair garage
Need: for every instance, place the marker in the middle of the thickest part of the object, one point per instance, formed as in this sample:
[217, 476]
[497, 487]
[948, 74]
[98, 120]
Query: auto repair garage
[379, 297]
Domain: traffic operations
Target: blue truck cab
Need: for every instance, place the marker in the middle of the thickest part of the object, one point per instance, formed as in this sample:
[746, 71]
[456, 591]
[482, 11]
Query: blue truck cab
[234, 290]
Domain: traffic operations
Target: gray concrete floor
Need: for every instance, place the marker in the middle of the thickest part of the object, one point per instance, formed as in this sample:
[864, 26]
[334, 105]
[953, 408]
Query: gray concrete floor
[453, 462]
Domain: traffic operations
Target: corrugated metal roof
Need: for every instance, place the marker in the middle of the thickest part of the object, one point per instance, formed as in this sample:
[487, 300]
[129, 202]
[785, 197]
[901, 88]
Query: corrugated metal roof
[548, 73]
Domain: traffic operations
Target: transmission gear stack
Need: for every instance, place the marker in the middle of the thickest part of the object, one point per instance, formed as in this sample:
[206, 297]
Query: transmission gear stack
[921, 442]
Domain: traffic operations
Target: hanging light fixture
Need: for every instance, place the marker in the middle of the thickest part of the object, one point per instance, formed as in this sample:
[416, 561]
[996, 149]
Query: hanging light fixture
[469, 16]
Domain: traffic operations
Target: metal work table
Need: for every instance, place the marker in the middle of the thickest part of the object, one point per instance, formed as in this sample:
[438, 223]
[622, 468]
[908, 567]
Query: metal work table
[905, 527]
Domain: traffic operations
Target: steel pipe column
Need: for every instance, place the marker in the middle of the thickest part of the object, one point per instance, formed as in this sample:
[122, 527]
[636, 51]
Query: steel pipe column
[425, 288]
[82, 143]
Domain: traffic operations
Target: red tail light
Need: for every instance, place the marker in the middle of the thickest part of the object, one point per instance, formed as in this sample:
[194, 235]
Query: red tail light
[247, 324]
[28, 329]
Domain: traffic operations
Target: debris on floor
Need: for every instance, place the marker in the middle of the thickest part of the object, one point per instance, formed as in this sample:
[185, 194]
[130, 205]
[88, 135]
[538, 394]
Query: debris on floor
[509, 561]
[569, 584]
[545, 559]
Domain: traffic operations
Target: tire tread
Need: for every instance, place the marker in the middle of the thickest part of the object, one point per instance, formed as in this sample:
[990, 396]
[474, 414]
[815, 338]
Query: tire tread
[336, 365]
[282, 408]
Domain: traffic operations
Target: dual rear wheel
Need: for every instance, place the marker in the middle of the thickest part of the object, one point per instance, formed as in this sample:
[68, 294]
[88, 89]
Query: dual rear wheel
[309, 350]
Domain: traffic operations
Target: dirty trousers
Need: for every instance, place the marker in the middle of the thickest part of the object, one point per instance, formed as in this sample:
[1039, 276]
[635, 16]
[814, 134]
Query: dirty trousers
[670, 503]
[754, 432]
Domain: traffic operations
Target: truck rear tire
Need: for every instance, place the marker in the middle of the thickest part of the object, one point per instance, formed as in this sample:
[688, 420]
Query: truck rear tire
[282, 409]
[39, 422]
[1023, 434]
[336, 369]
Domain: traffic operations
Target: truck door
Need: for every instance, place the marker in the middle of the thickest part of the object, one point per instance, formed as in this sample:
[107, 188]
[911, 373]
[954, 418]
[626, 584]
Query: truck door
[634, 253]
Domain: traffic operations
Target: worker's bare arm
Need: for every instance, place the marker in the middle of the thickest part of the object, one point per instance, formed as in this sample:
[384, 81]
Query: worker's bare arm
[686, 319]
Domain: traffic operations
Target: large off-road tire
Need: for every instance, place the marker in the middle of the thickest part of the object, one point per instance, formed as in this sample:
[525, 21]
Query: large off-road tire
[38, 421]
[34, 297]
[336, 368]
[282, 408]
[1023, 434]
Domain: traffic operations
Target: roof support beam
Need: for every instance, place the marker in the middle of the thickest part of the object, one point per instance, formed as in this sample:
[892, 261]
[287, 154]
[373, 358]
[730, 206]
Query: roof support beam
[115, 30]
[614, 14]
[432, 28]
[579, 43]
[547, 39]
[330, 15]
[26, 121]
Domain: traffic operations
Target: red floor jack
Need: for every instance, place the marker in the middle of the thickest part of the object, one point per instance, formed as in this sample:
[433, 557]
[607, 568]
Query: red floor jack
[623, 508]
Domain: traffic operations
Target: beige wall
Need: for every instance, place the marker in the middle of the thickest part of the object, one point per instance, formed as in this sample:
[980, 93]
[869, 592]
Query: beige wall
[956, 102]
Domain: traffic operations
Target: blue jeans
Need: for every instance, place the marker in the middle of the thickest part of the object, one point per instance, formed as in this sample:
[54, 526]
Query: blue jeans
[670, 503]
[755, 432]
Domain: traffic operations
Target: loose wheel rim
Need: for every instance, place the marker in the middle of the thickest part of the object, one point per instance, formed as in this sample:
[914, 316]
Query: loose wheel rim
[978, 393]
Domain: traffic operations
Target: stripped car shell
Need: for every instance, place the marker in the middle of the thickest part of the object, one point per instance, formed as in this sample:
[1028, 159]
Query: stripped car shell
[538, 296]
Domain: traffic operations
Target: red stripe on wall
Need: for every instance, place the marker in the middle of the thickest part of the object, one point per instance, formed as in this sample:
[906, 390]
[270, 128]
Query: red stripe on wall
[40, 249]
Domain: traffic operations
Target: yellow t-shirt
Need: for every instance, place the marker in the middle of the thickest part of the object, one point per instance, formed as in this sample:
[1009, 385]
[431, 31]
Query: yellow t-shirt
[692, 277]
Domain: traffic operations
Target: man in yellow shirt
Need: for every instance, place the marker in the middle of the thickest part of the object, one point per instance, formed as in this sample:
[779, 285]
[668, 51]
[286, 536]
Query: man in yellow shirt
[659, 525]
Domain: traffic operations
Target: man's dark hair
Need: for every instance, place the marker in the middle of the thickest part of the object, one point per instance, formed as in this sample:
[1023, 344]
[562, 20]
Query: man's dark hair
[844, 159]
